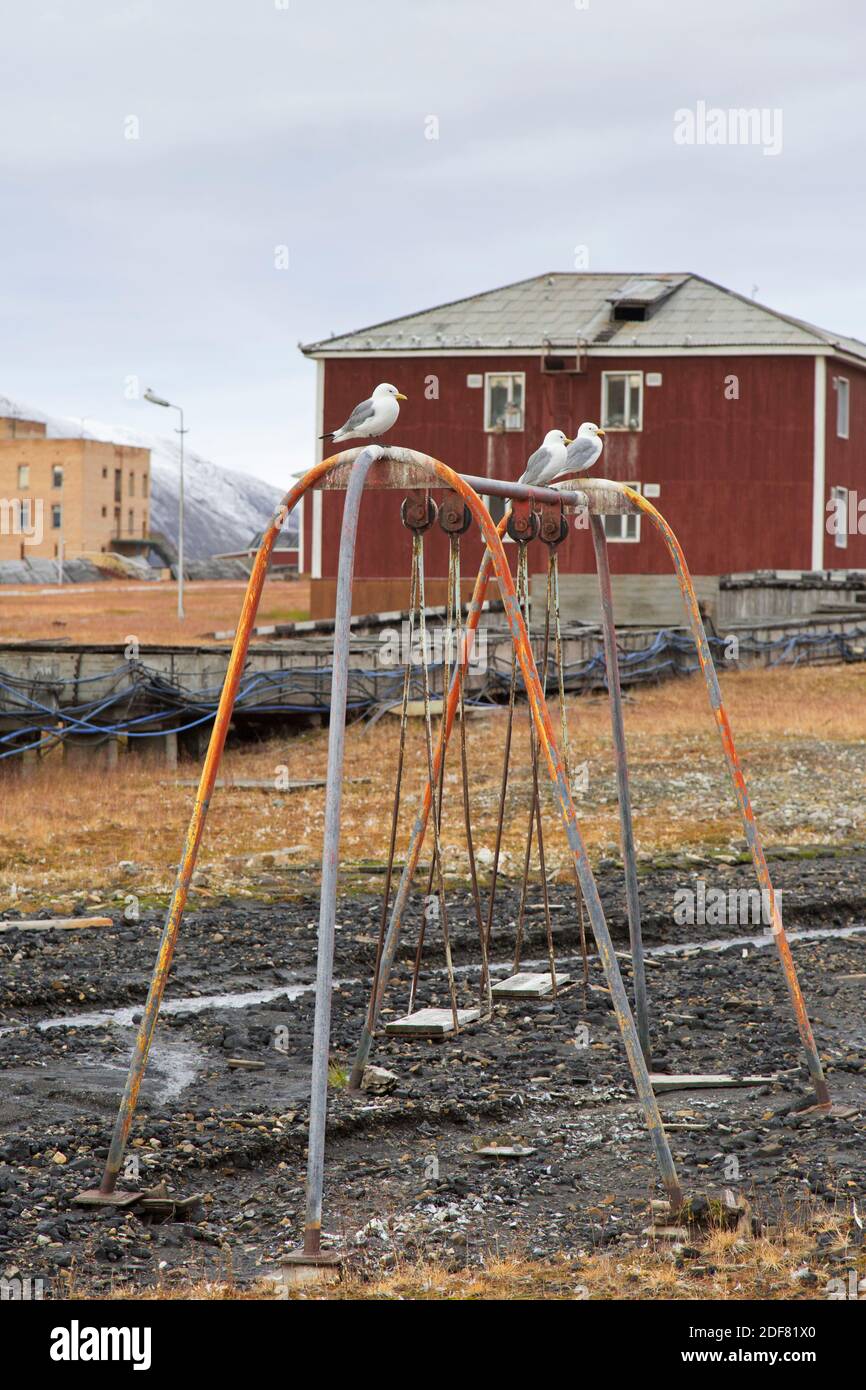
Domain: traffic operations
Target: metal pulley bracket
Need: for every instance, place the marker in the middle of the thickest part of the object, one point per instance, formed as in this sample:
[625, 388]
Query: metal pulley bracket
[523, 524]
[554, 524]
[418, 511]
[455, 517]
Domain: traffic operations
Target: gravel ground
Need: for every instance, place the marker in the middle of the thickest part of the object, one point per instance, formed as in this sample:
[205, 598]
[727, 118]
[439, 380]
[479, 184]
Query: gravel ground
[403, 1175]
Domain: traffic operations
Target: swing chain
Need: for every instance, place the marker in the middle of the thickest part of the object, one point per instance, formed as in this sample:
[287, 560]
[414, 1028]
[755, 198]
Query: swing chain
[436, 870]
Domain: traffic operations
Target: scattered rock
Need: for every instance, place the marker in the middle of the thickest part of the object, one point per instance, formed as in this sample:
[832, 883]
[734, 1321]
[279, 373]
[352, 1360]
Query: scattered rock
[378, 1081]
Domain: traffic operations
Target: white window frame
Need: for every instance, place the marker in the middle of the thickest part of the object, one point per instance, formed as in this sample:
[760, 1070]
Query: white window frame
[839, 495]
[843, 396]
[24, 475]
[630, 429]
[56, 516]
[623, 518]
[511, 377]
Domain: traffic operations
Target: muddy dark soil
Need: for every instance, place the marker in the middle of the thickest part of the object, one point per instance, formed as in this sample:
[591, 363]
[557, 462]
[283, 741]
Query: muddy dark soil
[403, 1177]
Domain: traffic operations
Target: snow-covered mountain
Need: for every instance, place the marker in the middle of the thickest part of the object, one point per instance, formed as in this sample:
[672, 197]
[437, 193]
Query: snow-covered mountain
[222, 508]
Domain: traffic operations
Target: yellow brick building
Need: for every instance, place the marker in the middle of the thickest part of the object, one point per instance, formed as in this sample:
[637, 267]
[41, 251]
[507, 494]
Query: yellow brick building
[89, 493]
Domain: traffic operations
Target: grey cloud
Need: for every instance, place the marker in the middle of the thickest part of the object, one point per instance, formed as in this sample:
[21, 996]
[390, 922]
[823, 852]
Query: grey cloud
[262, 127]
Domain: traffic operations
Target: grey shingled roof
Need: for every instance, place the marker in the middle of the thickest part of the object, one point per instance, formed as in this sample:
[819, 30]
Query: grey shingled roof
[559, 308]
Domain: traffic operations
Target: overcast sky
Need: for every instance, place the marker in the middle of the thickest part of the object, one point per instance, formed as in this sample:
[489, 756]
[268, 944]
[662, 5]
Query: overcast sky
[303, 123]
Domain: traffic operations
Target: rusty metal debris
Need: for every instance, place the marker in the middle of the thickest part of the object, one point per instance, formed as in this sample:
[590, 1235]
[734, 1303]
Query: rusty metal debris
[157, 1203]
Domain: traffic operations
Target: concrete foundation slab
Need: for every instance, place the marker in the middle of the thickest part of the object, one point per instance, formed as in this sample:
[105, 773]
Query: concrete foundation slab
[299, 1269]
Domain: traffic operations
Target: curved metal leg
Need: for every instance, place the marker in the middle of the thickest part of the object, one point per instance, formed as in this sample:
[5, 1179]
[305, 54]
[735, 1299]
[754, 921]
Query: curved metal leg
[194, 833]
[753, 837]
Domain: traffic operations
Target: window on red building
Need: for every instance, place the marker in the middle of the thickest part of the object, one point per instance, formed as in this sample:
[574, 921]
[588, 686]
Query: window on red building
[504, 394]
[622, 400]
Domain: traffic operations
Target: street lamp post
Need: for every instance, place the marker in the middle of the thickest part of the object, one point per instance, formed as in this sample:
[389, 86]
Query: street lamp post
[154, 399]
[60, 542]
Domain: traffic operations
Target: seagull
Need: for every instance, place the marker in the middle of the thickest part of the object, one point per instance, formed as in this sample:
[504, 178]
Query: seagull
[548, 461]
[372, 417]
[546, 468]
[585, 449]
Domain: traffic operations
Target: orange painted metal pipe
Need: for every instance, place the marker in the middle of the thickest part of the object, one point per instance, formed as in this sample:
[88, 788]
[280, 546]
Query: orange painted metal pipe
[196, 826]
[750, 826]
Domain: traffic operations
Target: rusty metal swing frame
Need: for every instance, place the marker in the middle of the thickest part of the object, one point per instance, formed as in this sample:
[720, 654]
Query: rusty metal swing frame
[392, 468]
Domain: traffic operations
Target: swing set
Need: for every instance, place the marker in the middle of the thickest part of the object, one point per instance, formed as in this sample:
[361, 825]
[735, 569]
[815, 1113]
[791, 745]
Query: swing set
[531, 513]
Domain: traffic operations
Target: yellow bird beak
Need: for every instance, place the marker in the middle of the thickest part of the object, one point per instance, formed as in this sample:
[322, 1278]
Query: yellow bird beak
[569, 441]
[599, 431]
[401, 397]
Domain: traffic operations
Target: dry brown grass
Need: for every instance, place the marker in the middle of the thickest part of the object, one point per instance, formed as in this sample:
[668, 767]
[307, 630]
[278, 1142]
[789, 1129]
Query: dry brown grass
[64, 830]
[112, 610]
[782, 702]
[721, 1265]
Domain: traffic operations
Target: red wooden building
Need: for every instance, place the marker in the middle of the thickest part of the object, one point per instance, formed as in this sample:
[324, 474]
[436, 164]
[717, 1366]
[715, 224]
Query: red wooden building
[742, 423]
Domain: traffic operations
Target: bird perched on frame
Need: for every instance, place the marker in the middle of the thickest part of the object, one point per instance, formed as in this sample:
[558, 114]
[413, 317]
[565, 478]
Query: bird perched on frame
[585, 449]
[548, 461]
[372, 417]
[579, 454]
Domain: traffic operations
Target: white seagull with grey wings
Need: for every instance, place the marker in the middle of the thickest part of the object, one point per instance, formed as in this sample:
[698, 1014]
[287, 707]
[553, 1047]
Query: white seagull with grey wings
[372, 417]
[550, 463]
[585, 449]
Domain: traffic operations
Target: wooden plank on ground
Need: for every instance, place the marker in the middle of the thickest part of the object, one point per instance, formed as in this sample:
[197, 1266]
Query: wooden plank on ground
[57, 924]
[505, 1151]
[677, 1233]
[256, 784]
[415, 709]
[700, 1081]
